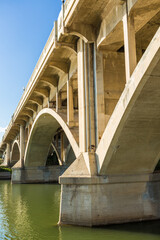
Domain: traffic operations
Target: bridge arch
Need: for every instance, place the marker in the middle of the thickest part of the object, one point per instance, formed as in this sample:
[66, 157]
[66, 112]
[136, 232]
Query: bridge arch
[41, 136]
[15, 153]
[57, 154]
[131, 141]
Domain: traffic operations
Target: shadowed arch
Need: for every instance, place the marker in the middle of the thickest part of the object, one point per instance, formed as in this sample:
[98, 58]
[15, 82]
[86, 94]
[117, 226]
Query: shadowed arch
[15, 153]
[57, 154]
[84, 31]
[41, 136]
[69, 155]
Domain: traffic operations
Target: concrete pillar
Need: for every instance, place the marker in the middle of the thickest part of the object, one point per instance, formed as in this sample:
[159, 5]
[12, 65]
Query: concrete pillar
[100, 95]
[86, 96]
[129, 45]
[70, 109]
[75, 101]
[81, 96]
[62, 146]
[22, 144]
[8, 150]
[58, 100]
[57, 141]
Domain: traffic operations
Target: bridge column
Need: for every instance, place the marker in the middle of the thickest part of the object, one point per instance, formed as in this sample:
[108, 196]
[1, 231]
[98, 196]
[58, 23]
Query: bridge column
[8, 158]
[77, 180]
[62, 146]
[70, 109]
[58, 100]
[86, 96]
[22, 144]
[129, 45]
[100, 94]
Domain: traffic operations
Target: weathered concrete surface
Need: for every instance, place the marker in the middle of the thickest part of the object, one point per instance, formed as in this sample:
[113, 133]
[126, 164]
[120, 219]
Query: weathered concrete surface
[37, 174]
[88, 93]
[100, 201]
[5, 175]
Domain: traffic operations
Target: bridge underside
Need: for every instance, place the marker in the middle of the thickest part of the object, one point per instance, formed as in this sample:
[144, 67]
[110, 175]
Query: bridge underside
[90, 113]
[127, 155]
[134, 147]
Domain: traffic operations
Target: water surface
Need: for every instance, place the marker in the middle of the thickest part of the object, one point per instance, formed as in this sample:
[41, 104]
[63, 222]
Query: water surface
[31, 211]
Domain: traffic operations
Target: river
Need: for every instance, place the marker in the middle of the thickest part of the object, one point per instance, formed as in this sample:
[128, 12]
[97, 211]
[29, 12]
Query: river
[30, 211]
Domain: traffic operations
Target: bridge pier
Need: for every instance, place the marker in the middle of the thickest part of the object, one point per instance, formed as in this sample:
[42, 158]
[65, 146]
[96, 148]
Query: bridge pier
[37, 174]
[102, 200]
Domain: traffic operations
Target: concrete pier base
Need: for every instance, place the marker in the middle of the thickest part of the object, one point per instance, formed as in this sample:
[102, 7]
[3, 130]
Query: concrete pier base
[37, 174]
[106, 200]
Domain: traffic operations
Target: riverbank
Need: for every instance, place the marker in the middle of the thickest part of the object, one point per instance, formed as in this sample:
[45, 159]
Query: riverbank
[5, 173]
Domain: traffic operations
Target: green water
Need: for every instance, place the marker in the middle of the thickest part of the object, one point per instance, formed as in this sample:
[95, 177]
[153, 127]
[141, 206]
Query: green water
[31, 212]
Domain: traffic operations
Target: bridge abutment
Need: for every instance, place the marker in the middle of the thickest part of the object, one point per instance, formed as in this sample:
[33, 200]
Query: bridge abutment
[37, 174]
[93, 201]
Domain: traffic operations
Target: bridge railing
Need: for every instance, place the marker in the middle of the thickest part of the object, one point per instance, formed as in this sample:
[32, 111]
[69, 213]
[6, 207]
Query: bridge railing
[67, 7]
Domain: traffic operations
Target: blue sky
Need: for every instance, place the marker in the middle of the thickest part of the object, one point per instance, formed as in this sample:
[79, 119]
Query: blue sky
[25, 26]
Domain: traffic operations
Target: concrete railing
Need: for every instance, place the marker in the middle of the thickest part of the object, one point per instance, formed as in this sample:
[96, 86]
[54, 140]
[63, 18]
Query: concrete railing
[67, 7]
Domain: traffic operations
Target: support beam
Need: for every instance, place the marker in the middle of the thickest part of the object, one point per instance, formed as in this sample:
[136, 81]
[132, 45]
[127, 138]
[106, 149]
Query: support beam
[82, 30]
[100, 94]
[28, 113]
[81, 97]
[24, 118]
[70, 109]
[8, 150]
[51, 81]
[86, 96]
[129, 44]
[42, 91]
[22, 144]
[62, 146]
[75, 102]
[60, 65]
[72, 47]
[32, 107]
[58, 100]
[87, 102]
[37, 100]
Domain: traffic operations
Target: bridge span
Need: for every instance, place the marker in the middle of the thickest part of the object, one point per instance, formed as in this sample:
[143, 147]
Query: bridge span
[90, 114]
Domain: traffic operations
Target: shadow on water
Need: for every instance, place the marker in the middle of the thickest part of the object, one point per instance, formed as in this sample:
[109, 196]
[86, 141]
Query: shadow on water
[148, 230]
[146, 227]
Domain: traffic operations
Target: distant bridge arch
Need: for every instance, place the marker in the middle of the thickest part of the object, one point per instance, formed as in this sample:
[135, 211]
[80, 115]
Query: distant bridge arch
[41, 136]
[15, 152]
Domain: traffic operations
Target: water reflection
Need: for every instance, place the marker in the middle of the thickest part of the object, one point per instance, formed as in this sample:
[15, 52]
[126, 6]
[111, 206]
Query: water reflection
[31, 212]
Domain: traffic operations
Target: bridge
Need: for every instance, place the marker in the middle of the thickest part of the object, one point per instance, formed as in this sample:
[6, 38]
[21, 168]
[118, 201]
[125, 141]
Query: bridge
[90, 114]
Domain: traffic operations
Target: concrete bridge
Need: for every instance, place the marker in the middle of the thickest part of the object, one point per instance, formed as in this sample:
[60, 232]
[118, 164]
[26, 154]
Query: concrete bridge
[91, 113]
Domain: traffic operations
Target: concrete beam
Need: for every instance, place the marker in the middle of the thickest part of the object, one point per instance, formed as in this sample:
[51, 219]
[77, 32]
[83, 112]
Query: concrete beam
[32, 107]
[53, 80]
[42, 91]
[84, 31]
[37, 100]
[60, 65]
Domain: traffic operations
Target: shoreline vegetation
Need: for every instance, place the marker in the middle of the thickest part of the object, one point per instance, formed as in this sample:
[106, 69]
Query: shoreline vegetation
[5, 169]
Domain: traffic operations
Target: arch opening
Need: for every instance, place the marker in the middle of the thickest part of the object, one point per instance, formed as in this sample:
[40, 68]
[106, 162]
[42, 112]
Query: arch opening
[52, 158]
[39, 150]
[157, 168]
[15, 156]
